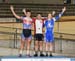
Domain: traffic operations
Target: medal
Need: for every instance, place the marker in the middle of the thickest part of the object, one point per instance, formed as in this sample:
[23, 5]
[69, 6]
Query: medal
[39, 28]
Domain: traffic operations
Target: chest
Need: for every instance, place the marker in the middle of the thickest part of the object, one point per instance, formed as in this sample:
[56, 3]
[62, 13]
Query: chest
[49, 23]
[27, 21]
[38, 22]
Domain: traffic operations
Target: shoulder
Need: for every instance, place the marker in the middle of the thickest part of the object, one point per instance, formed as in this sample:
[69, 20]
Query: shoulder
[27, 18]
[54, 19]
[22, 17]
[45, 21]
[33, 19]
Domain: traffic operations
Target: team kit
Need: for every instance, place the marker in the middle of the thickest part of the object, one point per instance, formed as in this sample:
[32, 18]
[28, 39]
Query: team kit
[40, 23]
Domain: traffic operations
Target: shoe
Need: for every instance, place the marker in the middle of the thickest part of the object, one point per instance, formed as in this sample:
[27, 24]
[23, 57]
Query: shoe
[41, 55]
[51, 55]
[35, 55]
[28, 55]
[20, 55]
[46, 54]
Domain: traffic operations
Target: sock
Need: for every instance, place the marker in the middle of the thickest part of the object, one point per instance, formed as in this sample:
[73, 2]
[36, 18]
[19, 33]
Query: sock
[28, 52]
[21, 51]
[36, 52]
[46, 52]
[51, 49]
[41, 52]
[50, 52]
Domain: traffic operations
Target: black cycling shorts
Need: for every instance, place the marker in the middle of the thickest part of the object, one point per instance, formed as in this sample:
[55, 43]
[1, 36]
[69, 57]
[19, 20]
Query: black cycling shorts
[38, 37]
[27, 32]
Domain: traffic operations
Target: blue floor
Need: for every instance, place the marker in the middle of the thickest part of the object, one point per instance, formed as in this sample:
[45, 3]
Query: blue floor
[33, 57]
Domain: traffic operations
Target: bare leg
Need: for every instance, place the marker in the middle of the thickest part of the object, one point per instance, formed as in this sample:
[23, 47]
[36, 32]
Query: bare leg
[41, 45]
[36, 48]
[28, 46]
[22, 46]
[41, 48]
[47, 48]
[36, 45]
[51, 48]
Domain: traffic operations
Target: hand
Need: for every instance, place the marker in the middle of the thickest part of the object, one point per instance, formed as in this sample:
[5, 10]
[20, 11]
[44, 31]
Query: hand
[53, 13]
[11, 7]
[24, 10]
[64, 9]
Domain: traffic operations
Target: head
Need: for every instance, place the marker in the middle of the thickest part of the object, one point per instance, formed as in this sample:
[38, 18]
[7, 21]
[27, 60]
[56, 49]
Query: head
[49, 15]
[39, 16]
[28, 13]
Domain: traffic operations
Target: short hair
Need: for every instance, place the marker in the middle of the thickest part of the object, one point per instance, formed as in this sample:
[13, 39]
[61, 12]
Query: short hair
[50, 13]
[27, 10]
[39, 13]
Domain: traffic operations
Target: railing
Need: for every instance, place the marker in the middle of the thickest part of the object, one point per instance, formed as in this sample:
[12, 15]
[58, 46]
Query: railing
[15, 36]
[14, 39]
[12, 34]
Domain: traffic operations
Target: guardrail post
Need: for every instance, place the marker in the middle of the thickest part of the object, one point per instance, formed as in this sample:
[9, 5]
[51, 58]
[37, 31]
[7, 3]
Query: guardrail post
[14, 41]
[61, 43]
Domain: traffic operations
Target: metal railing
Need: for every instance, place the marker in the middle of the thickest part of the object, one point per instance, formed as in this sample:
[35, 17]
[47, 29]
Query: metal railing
[15, 38]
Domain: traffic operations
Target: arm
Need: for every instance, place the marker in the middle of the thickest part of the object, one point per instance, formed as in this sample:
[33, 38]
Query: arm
[60, 14]
[24, 11]
[44, 23]
[12, 10]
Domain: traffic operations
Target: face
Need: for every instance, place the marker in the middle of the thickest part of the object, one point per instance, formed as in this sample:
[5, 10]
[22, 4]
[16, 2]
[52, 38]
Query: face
[39, 16]
[28, 14]
[49, 16]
